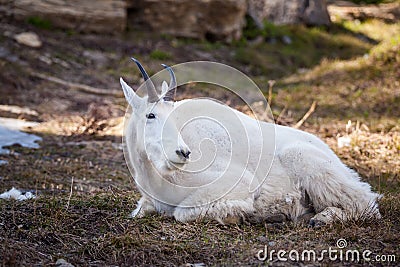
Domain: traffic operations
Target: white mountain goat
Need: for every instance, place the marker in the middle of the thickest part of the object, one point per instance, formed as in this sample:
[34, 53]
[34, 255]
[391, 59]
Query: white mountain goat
[305, 181]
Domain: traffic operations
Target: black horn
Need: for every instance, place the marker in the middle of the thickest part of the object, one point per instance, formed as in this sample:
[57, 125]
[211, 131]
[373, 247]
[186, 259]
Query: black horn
[170, 95]
[151, 89]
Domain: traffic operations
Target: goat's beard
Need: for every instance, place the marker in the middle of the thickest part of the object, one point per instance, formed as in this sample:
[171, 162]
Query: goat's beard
[175, 165]
[158, 158]
[165, 166]
[161, 163]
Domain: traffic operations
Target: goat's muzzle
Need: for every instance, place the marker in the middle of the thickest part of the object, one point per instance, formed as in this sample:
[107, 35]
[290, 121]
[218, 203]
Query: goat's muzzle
[183, 153]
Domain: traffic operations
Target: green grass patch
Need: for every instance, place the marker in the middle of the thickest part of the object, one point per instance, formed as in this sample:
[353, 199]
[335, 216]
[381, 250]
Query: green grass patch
[160, 55]
[371, 28]
[285, 49]
[40, 23]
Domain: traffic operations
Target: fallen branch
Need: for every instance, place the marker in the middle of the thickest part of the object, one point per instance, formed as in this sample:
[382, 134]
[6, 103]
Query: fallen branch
[389, 12]
[270, 85]
[78, 86]
[279, 118]
[305, 117]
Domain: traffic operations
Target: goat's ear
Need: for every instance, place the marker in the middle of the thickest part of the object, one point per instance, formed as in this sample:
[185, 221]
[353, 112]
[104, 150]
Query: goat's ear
[130, 95]
[164, 88]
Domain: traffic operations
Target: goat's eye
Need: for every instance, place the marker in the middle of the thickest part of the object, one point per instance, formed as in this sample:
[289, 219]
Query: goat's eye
[150, 116]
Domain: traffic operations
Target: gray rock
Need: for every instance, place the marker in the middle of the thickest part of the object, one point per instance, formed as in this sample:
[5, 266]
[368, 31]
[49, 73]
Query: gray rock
[63, 263]
[262, 239]
[101, 16]
[311, 12]
[212, 19]
[7, 55]
[316, 13]
[286, 39]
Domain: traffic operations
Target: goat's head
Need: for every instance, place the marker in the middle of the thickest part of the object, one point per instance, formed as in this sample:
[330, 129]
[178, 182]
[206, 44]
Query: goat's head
[153, 123]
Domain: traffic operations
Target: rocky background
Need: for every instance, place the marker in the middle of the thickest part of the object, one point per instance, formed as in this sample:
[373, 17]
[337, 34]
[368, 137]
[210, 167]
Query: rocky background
[216, 19]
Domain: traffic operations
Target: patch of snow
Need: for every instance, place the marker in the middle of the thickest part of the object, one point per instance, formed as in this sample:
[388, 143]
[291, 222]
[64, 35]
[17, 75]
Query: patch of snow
[10, 134]
[343, 141]
[17, 195]
[3, 162]
[15, 124]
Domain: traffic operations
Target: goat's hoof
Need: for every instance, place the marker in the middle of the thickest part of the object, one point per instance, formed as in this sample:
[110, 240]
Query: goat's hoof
[233, 220]
[137, 213]
[314, 223]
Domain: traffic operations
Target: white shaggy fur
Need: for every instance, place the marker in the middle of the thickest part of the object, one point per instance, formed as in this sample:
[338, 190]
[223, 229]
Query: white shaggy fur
[305, 177]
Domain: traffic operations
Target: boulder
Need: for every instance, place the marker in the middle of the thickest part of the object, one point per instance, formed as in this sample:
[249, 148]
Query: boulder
[63, 263]
[310, 12]
[211, 19]
[100, 16]
[316, 13]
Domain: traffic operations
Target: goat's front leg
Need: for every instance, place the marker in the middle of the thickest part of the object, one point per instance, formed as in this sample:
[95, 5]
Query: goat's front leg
[190, 214]
[223, 211]
[196, 213]
[327, 216]
[144, 206]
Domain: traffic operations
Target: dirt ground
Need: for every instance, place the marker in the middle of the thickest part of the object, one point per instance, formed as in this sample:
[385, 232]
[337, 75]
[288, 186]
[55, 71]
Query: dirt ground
[83, 186]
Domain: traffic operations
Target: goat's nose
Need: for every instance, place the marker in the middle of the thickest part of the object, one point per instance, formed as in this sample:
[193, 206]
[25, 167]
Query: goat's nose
[183, 153]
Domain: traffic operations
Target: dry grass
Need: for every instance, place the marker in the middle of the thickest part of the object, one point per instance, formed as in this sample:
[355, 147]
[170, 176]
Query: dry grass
[375, 155]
